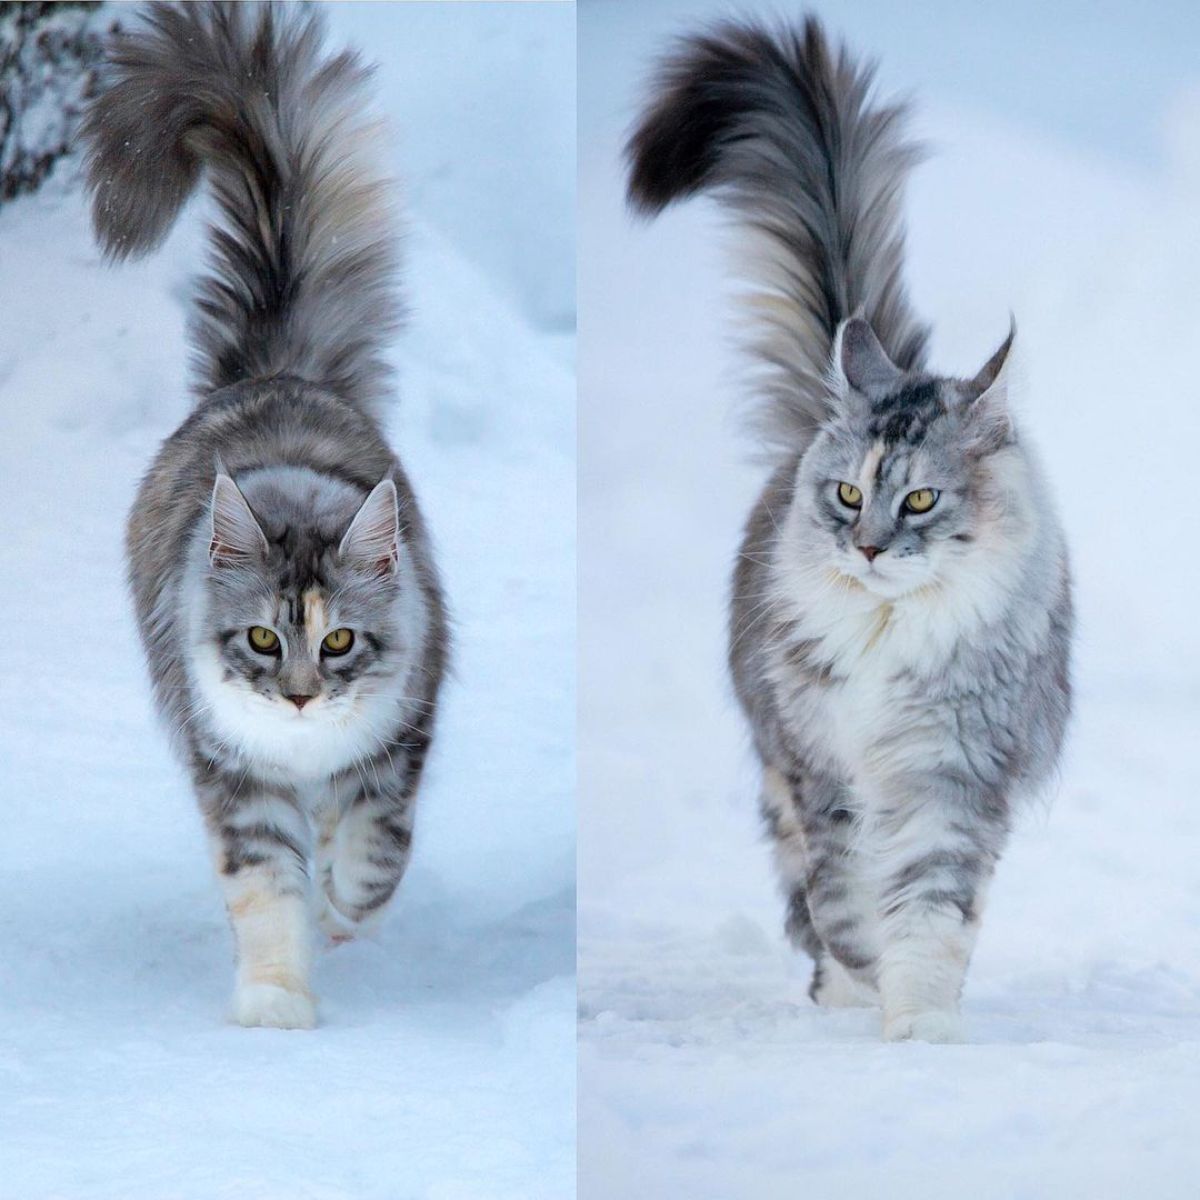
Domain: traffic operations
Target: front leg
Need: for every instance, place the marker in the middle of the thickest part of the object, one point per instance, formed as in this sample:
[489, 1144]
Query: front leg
[260, 841]
[829, 912]
[364, 855]
[938, 842]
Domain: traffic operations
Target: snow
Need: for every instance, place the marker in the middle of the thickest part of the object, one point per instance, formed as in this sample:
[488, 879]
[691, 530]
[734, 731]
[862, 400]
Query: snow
[44, 88]
[704, 1070]
[445, 1064]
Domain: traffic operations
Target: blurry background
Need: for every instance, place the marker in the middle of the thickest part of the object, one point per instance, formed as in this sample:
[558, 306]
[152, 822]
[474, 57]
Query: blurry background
[1064, 185]
[445, 1065]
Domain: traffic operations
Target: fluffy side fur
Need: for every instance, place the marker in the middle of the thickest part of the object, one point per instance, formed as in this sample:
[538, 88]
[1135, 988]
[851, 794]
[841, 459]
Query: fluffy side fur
[303, 259]
[782, 128]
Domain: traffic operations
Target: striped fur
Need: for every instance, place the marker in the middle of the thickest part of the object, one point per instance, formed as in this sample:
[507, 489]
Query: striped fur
[277, 503]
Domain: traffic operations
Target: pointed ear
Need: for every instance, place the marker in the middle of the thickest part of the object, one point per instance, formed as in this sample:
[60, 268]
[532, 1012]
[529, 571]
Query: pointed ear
[236, 536]
[993, 373]
[373, 539]
[861, 362]
[988, 414]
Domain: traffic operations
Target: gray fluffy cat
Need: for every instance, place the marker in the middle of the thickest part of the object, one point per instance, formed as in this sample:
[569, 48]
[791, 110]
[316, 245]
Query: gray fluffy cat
[901, 617]
[285, 589]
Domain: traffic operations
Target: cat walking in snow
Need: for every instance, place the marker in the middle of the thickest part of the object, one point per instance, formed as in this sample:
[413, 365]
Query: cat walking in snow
[284, 583]
[901, 617]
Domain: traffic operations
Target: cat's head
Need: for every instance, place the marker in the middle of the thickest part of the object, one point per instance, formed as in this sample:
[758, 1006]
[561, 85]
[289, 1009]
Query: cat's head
[907, 472]
[306, 618]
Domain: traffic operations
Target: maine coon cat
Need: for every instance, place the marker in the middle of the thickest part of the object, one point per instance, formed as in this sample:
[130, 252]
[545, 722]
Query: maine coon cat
[901, 616]
[283, 579]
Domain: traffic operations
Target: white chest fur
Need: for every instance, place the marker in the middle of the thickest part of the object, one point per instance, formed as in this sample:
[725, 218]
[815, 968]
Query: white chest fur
[871, 650]
[874, 714]
[328, 737]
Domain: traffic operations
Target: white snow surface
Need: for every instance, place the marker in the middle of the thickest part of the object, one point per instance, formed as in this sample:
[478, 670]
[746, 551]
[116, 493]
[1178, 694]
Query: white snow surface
[704, 1070]
[445, 1064]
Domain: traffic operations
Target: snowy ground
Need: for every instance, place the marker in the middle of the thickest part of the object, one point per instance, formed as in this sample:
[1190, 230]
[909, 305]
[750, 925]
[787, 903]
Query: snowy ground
[704, 1070]
[445, 1066]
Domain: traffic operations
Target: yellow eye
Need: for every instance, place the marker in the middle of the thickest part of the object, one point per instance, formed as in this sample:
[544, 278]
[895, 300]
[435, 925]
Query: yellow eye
[920, 501]
[265, 641]
[338, 642]
[849, 495]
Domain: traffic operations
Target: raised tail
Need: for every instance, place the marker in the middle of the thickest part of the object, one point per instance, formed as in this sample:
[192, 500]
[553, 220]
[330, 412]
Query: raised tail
[302, 275]
[785, 131]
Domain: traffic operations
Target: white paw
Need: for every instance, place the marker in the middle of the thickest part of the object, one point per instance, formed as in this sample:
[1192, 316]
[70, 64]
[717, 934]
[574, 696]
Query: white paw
[333, 924]
[933, 1026]
[839, 989]
[339, 928]
[269, 1006]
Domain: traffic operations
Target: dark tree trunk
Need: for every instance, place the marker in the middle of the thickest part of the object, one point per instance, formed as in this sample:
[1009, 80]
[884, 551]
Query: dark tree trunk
[48, 58]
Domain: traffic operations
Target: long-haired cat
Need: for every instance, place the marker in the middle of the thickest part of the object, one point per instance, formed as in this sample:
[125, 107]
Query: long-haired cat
[901, 616]
[284, 584]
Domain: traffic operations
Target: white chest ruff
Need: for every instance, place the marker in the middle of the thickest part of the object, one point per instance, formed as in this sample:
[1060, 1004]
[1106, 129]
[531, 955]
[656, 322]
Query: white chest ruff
[871, 696]
[318, 743]
[873, 716]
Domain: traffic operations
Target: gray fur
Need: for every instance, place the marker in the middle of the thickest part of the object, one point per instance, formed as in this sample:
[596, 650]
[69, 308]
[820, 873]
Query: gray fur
[757, 116]
[303, 258]
[278, 502]
[905, 674]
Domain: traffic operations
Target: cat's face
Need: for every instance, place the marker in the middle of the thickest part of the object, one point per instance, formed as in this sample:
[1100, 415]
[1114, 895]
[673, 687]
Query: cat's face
[899, 485]
[306, 630]
[302, 631]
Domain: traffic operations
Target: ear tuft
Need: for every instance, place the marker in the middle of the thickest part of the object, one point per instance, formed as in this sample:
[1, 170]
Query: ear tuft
[373, 539]
[860, 360]
[236, 535]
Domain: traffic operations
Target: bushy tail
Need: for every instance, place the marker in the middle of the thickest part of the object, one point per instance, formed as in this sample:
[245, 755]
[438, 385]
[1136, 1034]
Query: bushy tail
[785, 131]
[303, 265]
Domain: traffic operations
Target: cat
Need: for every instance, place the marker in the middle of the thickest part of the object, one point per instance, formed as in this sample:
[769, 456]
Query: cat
[901, 617]
[283, 579]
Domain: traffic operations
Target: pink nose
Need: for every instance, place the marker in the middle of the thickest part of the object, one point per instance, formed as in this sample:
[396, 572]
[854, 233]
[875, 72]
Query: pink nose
[870, 552]
[300, 701]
